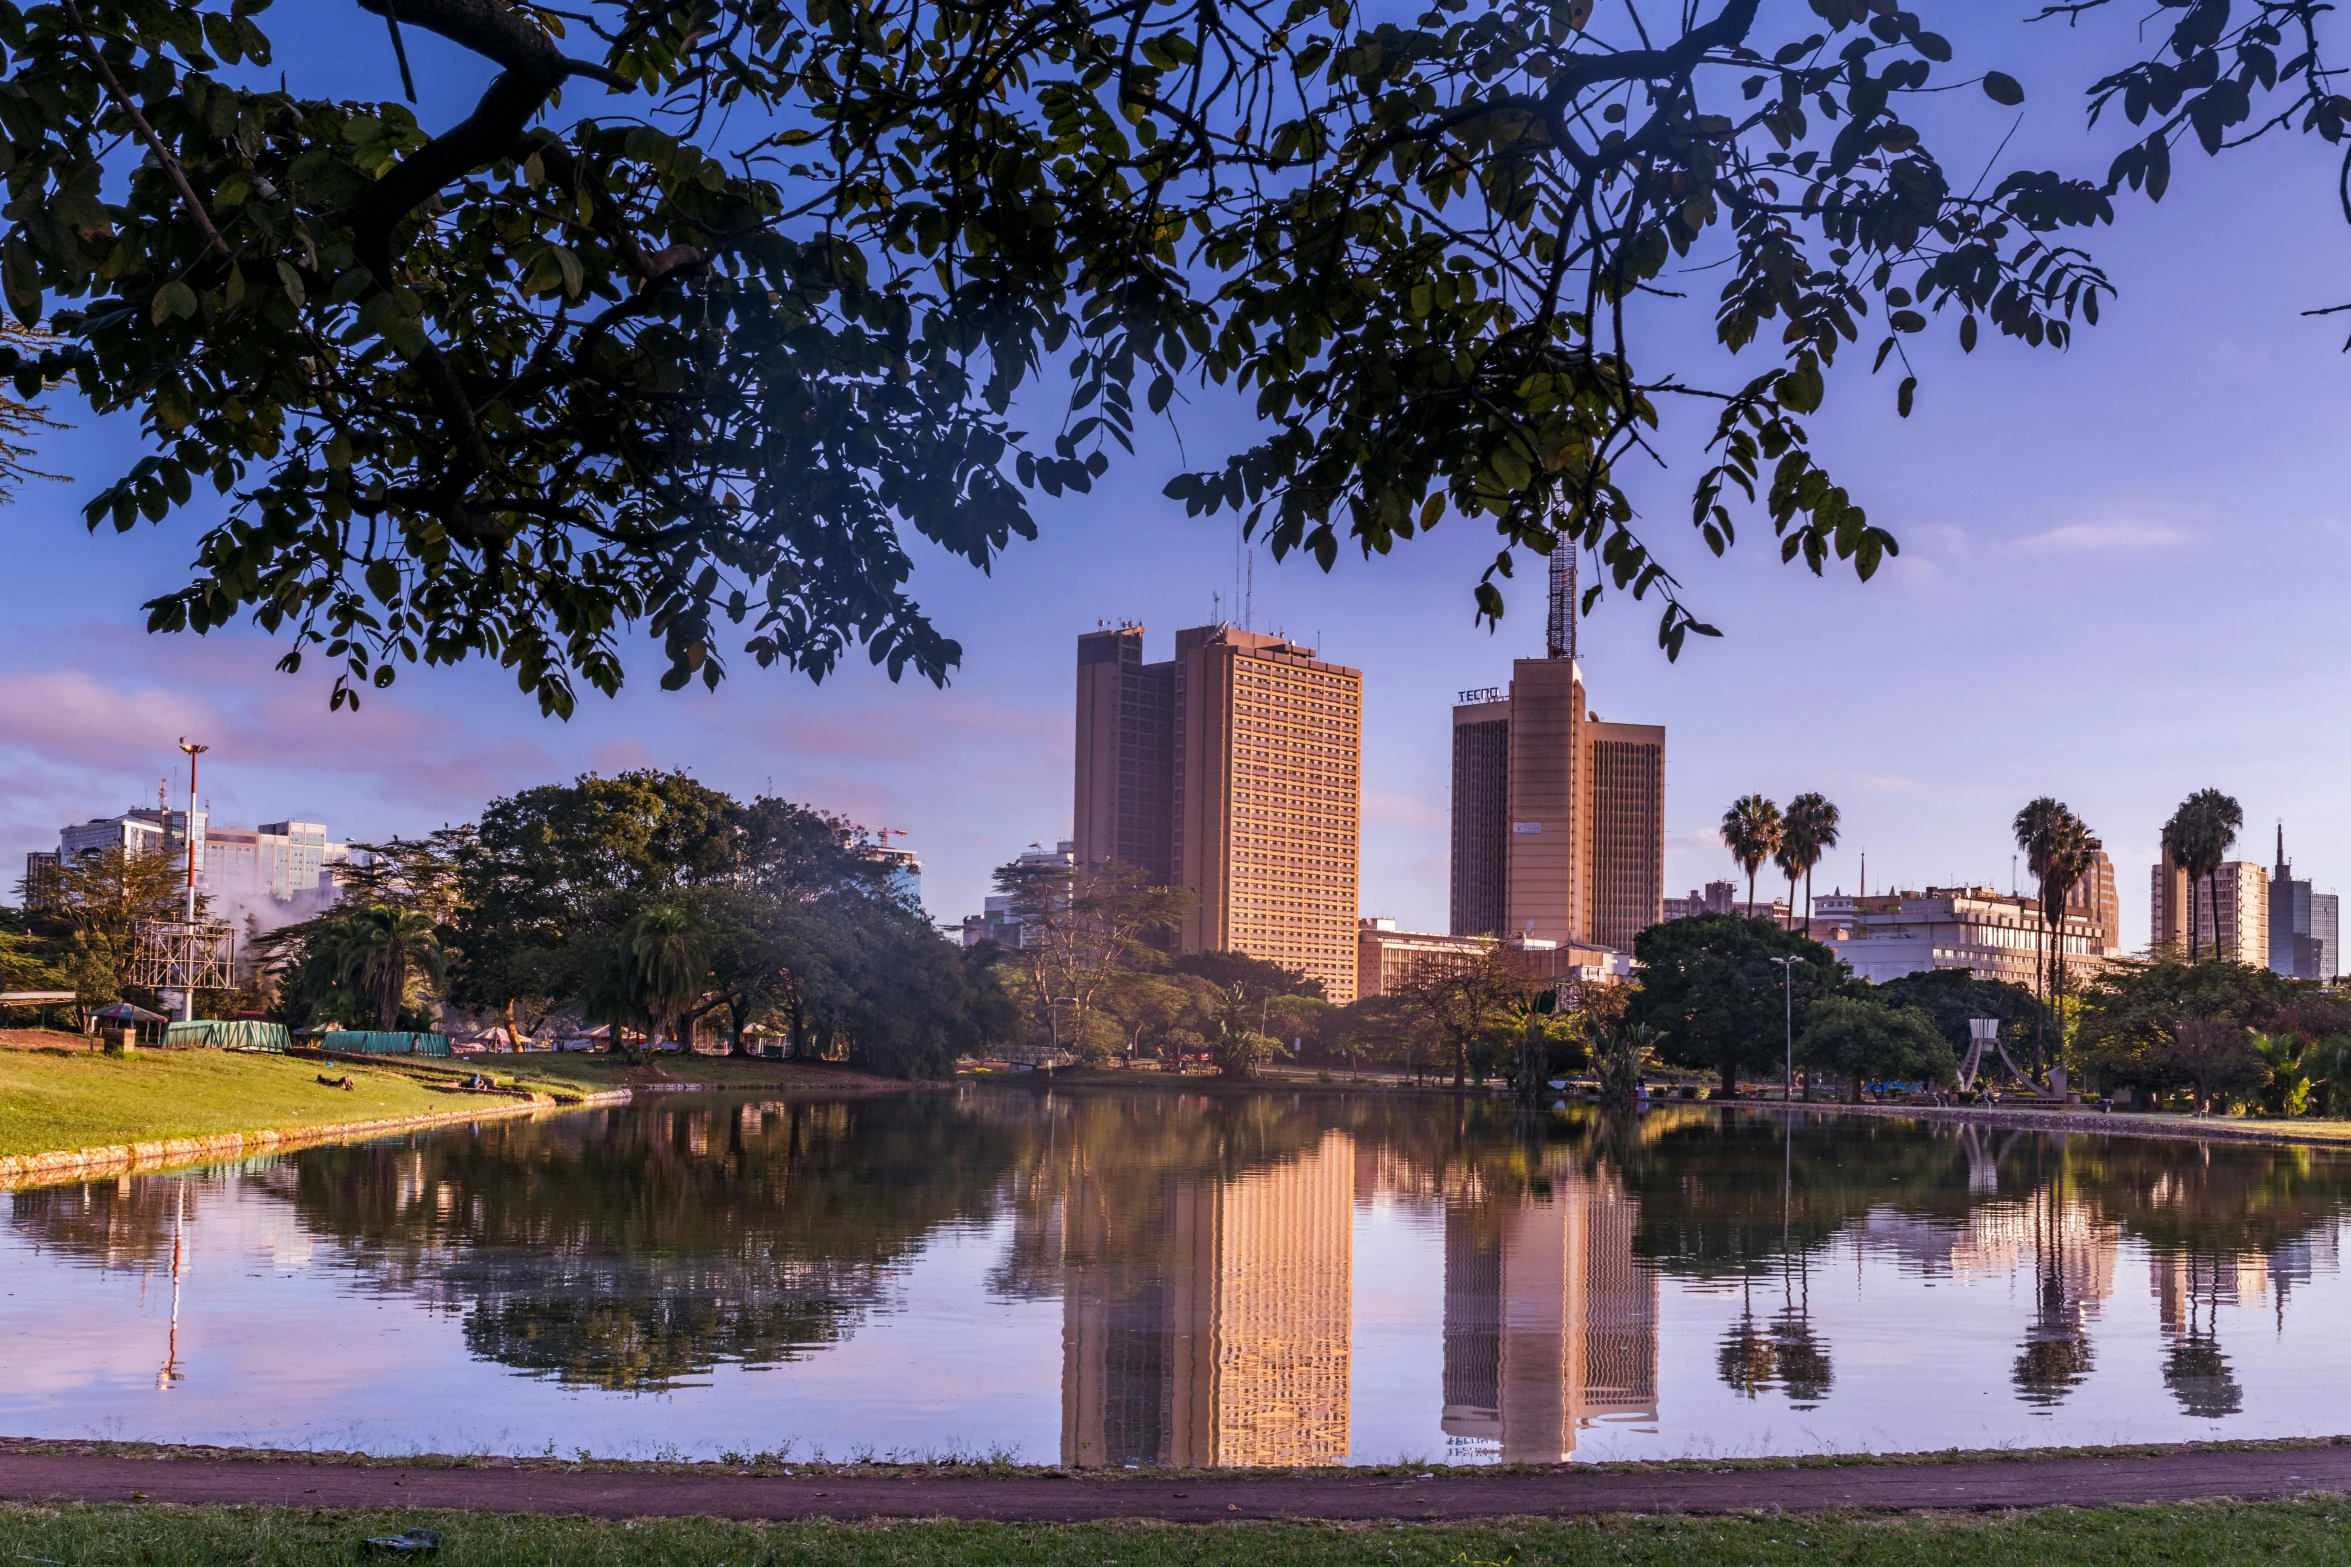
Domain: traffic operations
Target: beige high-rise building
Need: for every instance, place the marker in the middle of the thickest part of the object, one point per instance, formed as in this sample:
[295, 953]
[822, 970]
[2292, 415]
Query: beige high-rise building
[2238, 929]
[1239, 1354]
[1625, 829]
[1558, 818]
[1268, 801]
[1233, 771]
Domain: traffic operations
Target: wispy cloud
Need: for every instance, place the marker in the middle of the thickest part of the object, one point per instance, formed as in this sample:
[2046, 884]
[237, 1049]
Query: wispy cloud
[2122, 537]
[1390, 809]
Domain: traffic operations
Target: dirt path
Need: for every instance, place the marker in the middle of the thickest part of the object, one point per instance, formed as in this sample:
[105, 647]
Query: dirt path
[2073, 1480]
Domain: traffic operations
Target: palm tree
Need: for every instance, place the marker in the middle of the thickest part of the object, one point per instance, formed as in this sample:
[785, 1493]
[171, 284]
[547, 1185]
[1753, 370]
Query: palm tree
[2038, 828]
[664, 965]
[2065, 859]
[2198, 838]
[2059, 851]
[375, 951]
[1809, 832]
[1751, 830]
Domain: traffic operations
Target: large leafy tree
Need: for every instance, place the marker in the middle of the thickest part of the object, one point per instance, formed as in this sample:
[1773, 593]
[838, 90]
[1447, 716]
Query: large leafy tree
[1468, 1001]
[98, 900]
[1951, 997]
[2132, 1014]
[1718, 1001]
[704, 311]
[1857, 1038]
[1083, 929]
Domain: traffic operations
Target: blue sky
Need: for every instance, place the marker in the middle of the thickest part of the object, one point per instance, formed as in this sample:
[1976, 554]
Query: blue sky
[2121, 580]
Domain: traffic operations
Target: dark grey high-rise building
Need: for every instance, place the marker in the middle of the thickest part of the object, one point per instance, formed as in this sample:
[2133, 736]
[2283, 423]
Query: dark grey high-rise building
[1126, 754]
[2304, 926]
[1481, 815]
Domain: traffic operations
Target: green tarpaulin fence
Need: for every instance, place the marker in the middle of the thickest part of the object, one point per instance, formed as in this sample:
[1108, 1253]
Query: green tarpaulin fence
[206, 1034]
[369, 1042]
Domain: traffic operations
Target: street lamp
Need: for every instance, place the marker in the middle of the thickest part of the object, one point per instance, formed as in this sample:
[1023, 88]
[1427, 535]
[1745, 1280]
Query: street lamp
[188, 992]
[1788, 992]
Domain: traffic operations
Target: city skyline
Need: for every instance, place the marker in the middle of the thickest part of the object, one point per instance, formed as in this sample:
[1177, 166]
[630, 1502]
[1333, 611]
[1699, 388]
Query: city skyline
[2046, 506]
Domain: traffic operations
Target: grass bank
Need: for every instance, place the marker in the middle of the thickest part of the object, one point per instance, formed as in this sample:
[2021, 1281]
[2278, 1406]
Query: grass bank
[66, 1097]
[52, 1100]
[2307, 1530]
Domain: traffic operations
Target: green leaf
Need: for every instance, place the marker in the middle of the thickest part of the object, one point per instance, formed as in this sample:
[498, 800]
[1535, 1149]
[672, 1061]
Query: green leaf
[291, 281]
[383, 580]
[173, 299]
[2003, 88]
[1802, 389]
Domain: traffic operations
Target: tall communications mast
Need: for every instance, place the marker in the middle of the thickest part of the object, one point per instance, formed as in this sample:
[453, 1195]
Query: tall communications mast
[1563, 600]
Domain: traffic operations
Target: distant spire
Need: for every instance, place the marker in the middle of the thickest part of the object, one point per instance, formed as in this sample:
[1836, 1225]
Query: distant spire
[1563, 599]
[2283, 867]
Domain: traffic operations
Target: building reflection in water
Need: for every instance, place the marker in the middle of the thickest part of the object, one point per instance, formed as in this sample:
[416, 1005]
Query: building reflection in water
[1230, 1344]
[1550, 1324]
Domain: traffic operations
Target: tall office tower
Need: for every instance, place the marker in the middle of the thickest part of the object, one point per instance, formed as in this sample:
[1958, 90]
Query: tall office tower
[1481, 814]
[1235, 772]
[2237, 929]
[2303, 925]
[1126, 754]
[1550, 1321]
[1627, 817]
[1268, 801]
[2095, 899]
[1567, 845]
[1230, 1343]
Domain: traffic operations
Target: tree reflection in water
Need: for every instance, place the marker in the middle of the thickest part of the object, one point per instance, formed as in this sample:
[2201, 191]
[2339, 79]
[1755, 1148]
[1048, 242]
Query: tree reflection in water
[2189, 1292]
[128, 1222]
[638, 1249]
[2056, 1357]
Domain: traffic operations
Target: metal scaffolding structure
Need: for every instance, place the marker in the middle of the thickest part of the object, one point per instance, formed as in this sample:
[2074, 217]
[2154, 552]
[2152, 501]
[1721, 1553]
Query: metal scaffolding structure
[185, 955]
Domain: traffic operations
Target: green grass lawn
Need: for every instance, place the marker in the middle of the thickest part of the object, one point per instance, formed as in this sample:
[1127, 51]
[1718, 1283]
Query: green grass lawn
[2310, 1530]
[72, 1097]
[52, 1100]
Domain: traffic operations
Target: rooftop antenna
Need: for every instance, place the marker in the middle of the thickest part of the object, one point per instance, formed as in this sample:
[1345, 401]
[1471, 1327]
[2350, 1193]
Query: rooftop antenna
[1249, 603]
[1563, 600]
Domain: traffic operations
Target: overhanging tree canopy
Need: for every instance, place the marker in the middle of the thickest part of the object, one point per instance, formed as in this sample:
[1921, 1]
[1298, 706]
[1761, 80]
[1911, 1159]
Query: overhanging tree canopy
[706, 303]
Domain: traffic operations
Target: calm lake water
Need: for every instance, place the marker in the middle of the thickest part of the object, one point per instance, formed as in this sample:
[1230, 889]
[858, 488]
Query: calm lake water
[1099, 1278]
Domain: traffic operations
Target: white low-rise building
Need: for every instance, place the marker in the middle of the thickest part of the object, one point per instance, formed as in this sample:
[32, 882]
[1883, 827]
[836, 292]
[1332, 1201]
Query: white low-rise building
[1992, 935]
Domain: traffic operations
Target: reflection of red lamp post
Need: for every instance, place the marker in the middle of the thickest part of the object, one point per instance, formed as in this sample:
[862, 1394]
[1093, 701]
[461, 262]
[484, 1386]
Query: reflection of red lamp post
[188, 991]
[170, 1373]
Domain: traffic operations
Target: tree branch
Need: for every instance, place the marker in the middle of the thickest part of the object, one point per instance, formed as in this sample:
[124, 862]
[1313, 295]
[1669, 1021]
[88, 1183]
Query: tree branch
[171, 165]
